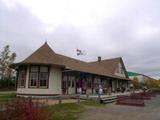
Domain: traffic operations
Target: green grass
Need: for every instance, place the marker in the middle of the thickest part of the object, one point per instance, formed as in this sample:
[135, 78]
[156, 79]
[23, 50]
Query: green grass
[70, 111]
[9, 95]
[3, 103]
[67, 111]
[6, 96]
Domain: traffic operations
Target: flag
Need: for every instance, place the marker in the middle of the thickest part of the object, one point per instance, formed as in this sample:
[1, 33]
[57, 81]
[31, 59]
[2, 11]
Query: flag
[80, 52]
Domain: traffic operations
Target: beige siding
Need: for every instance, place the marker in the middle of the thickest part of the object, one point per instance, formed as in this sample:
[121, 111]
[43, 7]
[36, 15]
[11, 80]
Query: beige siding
[54, 84]
[118, 71]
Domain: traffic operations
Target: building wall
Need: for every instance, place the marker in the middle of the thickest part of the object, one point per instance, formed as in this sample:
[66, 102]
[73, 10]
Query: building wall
[120, 71]
[54, 84]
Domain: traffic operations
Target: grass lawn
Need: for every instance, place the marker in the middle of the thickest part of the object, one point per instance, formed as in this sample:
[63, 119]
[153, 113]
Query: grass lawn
[6, 96]
[64, 111]
[9, 95]
[70, 111]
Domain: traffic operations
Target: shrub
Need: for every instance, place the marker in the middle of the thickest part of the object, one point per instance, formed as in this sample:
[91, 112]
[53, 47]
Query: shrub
[25, 109]
[7, 84]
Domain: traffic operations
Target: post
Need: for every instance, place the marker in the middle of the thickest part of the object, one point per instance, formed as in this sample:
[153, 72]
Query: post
[99, 98]
[78, 98]
[60, 99]
[87, 95]
[67, 83]
[92, 84]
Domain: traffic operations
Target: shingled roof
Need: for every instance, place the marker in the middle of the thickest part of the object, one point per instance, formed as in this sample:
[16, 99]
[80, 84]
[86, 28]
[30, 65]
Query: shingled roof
[110, 65]
[45, 55]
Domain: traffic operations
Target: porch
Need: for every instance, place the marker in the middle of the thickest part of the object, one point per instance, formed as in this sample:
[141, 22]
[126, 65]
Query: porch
[76, 82]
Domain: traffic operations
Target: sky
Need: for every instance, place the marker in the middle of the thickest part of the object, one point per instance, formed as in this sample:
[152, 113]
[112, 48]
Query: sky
[106, 28]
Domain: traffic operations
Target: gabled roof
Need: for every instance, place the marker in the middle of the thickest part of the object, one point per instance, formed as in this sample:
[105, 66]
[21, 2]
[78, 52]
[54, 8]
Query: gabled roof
[45, 55]
[78, 65]
[110, 65]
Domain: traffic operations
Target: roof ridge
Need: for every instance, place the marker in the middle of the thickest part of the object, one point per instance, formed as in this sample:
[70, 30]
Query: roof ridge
[106, 59]
[71, 58]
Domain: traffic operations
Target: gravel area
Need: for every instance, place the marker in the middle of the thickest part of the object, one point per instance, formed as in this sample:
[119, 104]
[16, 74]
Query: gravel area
[120, 112]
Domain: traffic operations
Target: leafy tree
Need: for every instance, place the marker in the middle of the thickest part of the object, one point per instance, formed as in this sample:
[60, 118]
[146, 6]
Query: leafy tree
[152, 83]
[135, 83]
[6, 59]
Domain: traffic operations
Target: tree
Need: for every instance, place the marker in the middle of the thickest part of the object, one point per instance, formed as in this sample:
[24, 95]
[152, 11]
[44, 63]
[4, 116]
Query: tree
[6, 59]
[152, 83]
[135, 83]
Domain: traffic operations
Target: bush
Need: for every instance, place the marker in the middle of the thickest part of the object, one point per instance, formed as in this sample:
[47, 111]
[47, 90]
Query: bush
[7, 84]
[25, 109]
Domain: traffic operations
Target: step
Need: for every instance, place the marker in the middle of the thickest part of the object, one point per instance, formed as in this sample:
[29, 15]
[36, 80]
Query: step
[108, 98]
[109, 101]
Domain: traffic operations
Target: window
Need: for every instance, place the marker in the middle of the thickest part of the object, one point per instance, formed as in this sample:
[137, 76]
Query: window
[34, 76]
[39, 76]
[43, 76]
[22, 76]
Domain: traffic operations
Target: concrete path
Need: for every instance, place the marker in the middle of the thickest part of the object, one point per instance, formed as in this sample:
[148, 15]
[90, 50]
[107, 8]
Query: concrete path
[118, 112]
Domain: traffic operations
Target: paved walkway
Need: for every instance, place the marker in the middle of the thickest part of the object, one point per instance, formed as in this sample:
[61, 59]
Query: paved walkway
[118, 112]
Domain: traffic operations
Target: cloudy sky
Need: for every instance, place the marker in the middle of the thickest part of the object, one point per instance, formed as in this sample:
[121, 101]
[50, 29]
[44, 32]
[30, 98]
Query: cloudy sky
[106, 28]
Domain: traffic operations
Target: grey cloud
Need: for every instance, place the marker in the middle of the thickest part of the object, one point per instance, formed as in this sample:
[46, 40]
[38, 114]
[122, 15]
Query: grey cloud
[20, 29]
[108, 37]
